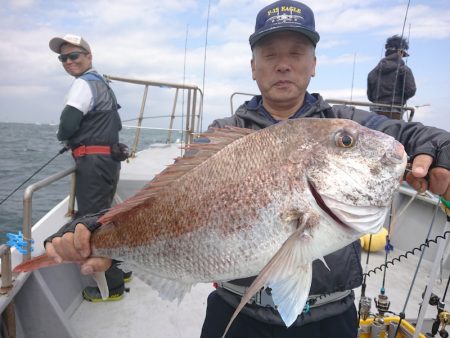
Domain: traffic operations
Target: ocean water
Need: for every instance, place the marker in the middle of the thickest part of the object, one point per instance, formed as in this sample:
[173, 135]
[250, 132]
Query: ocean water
[25, 148]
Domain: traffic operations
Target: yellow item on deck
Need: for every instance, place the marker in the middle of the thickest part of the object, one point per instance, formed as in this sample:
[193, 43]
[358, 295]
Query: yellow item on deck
[406, 329]
[378, 241]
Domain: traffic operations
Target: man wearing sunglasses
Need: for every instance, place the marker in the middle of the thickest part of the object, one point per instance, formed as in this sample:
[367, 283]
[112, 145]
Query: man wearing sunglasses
[89, 126]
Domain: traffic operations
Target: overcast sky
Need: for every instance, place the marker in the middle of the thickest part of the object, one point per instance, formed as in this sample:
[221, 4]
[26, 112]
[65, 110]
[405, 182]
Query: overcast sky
[146, 39]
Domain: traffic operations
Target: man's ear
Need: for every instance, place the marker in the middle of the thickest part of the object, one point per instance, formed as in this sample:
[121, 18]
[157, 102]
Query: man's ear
[313, 70]
[252, 64]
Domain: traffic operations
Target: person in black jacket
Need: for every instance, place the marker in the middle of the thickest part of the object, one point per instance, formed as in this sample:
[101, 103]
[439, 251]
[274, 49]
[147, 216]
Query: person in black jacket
[283, 63]
[391, 81]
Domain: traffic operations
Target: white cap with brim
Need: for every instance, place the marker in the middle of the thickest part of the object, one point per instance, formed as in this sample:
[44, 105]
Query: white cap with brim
[56, 43]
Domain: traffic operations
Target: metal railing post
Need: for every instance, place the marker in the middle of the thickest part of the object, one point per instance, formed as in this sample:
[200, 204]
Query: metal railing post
[238, 93]
[172, 116]
[140, 118]
[191, 130]
[72, 195]
[5, 254]
[187, 137]
[27, 205]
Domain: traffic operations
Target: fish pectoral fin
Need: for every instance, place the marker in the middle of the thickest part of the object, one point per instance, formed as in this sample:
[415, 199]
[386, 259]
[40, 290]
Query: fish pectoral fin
[288, 274]
[291, 293]
[100, 278]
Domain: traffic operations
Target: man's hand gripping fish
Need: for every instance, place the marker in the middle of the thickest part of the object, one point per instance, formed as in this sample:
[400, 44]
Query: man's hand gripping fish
[264, 203]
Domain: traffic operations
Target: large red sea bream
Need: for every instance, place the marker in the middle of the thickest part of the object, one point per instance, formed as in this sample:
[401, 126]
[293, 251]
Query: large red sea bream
[264, 203]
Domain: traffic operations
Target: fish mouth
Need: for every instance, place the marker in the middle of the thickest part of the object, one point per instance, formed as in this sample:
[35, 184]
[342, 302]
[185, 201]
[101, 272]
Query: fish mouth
[320, 202]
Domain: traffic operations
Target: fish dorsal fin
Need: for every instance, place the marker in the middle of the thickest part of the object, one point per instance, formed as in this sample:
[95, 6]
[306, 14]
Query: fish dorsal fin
[196, 154]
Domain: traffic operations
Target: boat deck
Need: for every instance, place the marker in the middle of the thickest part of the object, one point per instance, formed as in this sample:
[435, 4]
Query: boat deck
[142, 313]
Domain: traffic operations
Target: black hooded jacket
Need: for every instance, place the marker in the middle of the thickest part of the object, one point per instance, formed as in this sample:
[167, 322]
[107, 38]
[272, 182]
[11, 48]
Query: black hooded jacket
[345, 266]
[386, 85]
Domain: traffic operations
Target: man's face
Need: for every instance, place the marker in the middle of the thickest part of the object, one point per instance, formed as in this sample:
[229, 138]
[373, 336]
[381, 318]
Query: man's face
[282, 65]
[78, 66]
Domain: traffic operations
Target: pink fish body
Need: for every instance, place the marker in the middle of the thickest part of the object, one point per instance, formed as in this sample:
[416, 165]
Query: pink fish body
[264, 203]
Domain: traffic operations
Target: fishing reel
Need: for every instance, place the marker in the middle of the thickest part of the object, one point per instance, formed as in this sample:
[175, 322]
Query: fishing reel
[442, 318]
[364, 307]
[439, 325]
[382, 303]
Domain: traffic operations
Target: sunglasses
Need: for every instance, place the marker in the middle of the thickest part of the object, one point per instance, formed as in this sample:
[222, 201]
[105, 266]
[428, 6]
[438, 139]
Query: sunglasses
[71, 56]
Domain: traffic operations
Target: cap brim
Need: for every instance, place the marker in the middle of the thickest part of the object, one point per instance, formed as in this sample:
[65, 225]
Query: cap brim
[313, 36]
[55, 44]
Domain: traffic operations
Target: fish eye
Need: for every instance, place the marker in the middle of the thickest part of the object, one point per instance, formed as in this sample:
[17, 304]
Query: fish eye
[345, 140]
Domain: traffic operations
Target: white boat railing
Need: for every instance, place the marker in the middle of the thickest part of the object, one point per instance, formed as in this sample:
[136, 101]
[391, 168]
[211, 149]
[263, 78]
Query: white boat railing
[232, 97]
[28, 203]
[392, 111]
[192, 122]
[192, 115]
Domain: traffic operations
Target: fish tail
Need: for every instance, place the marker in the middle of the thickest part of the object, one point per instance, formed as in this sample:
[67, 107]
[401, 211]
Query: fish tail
[38, 262]
[43, 261]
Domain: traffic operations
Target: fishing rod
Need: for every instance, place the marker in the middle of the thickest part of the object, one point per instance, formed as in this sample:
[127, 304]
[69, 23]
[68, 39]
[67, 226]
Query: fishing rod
[364, 302]
[378, 82]
[383, 304]
[406, 62]
[408, 253]
[443, 317]
[402, 313]
[398, 64]
[64, 149]
[439, 254]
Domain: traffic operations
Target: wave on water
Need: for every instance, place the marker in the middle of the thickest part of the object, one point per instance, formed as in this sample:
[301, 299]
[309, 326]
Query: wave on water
[26, 147]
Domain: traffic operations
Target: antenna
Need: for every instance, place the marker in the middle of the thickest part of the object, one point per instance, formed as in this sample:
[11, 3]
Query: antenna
[353, 76]
[406, 15]
[184, 80]
[406, 62]
[204, 63]
[398, 65]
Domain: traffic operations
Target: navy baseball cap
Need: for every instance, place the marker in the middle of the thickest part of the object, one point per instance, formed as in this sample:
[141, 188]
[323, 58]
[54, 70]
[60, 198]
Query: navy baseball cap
[285, 15]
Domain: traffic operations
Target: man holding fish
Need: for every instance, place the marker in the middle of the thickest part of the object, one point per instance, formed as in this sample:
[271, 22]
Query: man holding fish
[283, 47]
[283, 62]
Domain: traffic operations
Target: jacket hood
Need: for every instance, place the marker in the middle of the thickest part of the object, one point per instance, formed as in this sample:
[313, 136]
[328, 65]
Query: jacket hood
[390, 63]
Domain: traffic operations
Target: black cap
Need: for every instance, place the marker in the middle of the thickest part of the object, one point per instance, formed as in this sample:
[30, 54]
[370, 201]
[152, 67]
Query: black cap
[285, 15]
